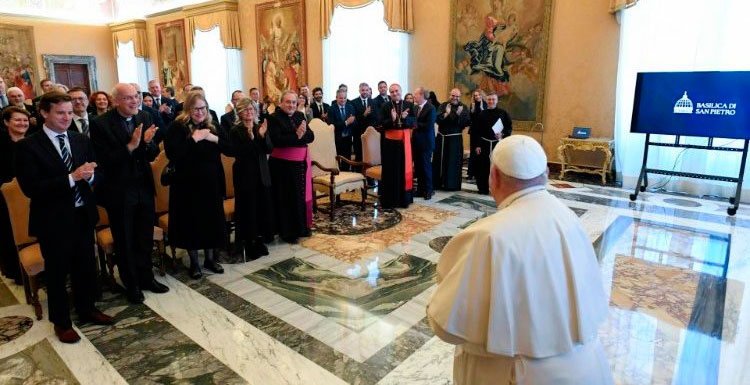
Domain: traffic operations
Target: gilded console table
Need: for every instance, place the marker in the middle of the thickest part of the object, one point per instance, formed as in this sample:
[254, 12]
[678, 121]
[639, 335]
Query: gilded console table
[571, 151]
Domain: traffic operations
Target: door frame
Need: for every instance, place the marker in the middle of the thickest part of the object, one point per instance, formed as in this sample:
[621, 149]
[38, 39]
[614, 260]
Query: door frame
[88, 61]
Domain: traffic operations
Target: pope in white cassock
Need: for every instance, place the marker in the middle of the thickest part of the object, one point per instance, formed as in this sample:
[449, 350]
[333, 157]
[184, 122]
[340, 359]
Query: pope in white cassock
[520, 292]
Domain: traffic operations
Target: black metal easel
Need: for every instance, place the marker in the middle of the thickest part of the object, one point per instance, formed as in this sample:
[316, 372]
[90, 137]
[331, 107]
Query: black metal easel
[643, 177]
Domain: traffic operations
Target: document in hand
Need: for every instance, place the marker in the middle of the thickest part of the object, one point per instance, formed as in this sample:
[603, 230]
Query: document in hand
[498, 126]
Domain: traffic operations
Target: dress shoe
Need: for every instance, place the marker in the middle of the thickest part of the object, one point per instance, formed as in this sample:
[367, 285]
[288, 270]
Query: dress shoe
[195, 272]
[213, 266]
[155, 287]
[98, 318]
[67, 336]
[135, 295]
[427, 196]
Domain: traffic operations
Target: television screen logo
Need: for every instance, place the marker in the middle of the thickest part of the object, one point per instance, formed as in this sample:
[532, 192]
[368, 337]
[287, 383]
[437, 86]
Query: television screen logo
[684, 105]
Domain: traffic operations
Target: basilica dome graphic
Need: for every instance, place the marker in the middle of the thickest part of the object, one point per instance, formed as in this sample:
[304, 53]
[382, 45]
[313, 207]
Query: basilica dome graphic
[684, 105]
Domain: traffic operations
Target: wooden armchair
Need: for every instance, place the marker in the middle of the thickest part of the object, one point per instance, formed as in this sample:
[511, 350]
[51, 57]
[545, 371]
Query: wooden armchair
[29, 252]
[371, 154]
[161, 201]
[327, 177]
[227, 163]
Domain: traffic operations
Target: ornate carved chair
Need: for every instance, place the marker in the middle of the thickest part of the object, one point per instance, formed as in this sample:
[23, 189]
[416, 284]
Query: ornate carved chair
[327, 177]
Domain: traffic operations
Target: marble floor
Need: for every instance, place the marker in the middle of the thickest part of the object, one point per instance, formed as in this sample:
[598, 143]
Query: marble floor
[347, 305]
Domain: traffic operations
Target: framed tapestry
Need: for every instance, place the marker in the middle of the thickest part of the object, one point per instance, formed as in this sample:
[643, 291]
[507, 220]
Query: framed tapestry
[282, 48]
[501, 46]
[18, 58]
[171, 50]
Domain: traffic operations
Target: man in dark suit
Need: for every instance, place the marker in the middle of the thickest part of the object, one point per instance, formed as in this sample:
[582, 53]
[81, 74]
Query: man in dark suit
[80, 101]
[341, 115]
[319, 108]
[227, 120]
[365, 116]
[123, 138]
[261, 107]
[423, 142]
[57, 170]
[164, 106]
[382, 98]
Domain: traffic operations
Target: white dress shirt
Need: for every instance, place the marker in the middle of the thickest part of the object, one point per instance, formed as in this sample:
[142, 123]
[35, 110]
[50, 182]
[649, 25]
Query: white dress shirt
[78, 119]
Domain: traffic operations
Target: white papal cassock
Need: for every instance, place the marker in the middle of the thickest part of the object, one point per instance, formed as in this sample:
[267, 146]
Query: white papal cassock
[520, 294]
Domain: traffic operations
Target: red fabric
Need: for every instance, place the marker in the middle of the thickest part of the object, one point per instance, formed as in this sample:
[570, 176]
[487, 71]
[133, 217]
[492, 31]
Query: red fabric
[298, 154]
[404, 136]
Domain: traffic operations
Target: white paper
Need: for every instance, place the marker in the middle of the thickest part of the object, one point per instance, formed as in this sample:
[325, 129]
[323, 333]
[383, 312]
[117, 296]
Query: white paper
[498, 126]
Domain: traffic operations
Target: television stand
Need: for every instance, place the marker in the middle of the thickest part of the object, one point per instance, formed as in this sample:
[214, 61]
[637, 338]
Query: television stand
[643, 177]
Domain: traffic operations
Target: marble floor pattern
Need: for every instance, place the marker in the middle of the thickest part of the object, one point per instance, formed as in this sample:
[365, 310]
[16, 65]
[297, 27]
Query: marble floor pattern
[347, 305]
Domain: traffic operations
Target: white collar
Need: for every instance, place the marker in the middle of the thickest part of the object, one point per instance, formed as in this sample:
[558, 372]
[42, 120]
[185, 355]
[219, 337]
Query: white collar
[519, 194]
[84, 117]
[52, 135]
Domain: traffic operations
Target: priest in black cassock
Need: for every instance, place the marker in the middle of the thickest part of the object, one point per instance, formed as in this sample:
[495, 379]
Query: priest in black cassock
[397, 120]
[448, 157]
[289, 164]
[484, 139]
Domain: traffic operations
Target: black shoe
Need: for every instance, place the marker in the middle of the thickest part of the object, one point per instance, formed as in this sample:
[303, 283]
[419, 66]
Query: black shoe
[135, 295]
[290, 240]
[195, 272]
[213, 266]
[259, 249]
[155, 287]
[428, 195]
[307, 233]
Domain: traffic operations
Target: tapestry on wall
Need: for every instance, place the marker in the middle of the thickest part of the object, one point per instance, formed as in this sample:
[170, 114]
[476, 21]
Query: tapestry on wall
[501, 46]
[18, 58]
[172, 51]
[282, 53]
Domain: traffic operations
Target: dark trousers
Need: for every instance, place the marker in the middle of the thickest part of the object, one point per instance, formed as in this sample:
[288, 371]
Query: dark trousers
[422, 158]
[70, 251]
[358, 131]
[344, 148]
[132, 222]
[482, 167]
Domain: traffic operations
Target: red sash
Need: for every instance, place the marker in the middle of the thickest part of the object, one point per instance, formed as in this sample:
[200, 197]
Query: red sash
[404, 136]
[299, 154]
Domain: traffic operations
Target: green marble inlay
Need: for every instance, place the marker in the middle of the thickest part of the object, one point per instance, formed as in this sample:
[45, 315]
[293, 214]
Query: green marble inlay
[486, 207]
[354, 301]
[37, 364]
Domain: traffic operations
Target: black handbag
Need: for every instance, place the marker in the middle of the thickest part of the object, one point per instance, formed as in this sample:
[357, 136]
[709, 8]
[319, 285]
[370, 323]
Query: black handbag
[167, 175]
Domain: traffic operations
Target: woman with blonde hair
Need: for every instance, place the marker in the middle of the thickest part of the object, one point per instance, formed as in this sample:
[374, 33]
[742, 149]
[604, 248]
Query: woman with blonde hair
[197, 186]
[252, 180]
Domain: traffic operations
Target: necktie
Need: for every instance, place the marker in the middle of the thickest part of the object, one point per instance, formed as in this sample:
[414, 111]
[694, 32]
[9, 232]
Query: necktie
[419, 108]
[84, 126]
[157, 102]
[343, 114]
[3, 101]
[68, 160]
[364, 103]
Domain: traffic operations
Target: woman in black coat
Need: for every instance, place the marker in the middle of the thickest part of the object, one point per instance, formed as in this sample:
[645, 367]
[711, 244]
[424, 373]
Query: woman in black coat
[252, 180]
[197, 189]
[17, 124]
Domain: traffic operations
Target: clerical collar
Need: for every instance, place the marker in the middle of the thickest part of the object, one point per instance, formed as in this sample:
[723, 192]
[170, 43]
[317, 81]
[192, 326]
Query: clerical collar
[519, 194]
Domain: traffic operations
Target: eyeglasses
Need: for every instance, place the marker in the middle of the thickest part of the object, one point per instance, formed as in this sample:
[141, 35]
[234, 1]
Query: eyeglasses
[79, 100]
[200, 109]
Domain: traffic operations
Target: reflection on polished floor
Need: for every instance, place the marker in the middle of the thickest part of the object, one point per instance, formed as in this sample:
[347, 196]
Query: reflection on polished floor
[347, 305]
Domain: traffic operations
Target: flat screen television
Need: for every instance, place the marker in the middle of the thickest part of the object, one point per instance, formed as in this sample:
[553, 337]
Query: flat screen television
[705, 104]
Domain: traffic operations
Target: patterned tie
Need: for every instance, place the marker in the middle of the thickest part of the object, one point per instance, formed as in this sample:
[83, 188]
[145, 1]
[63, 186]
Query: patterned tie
[419, 108]
[343, 114]
[68, 160]
[84, 126]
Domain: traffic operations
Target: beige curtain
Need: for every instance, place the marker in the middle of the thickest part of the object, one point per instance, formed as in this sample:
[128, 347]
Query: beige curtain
[618, 5]
[399, 14]
[132, 30]
[206, 17]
